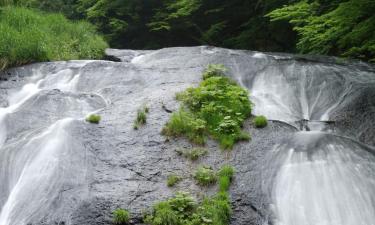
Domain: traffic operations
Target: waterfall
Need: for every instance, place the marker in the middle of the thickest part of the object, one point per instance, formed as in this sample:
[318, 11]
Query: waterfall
[53, 164]
[43, 165]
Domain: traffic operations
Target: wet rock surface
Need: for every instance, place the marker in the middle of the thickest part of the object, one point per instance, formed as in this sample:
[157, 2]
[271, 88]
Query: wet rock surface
[126, 168]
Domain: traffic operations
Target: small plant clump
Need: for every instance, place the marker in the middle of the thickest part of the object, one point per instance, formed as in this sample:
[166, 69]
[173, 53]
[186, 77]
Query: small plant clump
[121, 217]
[214, 70]
[225, 175]
[192, 154]
[141, 118]
[93, 118]
[184, 210]
[173, 179]
[217, 107]
[205, 176]
[260, 121]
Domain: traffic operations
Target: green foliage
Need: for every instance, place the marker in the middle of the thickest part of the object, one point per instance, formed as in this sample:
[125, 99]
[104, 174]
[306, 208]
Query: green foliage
[121, 217]
[183, 123]
[93, 118]
[173, 179]
[217, 107]
[260, 121]
[192, 154]
[141, 118]
[214, 70]
[345, 28]
[30, 36]
[205, 176]
[225, 174]
[184, 210]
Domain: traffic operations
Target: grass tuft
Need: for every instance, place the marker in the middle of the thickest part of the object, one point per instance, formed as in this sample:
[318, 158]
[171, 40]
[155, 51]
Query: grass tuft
[205, 176]
[260, 121]
[93, 118]
[141, 118]
[121, 217]
[173, 179]
[192, 154]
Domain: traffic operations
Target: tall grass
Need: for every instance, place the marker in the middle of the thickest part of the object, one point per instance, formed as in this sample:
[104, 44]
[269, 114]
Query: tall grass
[32, 36]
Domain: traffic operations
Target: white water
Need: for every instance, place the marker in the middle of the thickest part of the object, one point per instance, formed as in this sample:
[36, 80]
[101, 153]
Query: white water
[40, 160]
[34, 170]
[326, 183]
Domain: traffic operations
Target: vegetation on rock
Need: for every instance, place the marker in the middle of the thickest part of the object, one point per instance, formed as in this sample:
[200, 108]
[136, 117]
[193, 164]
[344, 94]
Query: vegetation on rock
[205, 176]
[141, 118]
[260, 121]
[217, 107]
[121, 217]
[93, 118]
[173, 179]
[192, 154]
[183, 209]
[32, 36]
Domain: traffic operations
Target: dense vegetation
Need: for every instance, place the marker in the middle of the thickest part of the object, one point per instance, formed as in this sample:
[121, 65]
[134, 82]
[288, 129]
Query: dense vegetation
[217, 108]
[29, 36]
[339, 27]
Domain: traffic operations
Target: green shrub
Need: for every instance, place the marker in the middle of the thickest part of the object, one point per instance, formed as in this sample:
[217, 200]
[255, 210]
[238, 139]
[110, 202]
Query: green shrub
[184, 210]
[205, 176]
[173, 179]
[225, 174]
[214, 70]
[141, 118]
[192, 154]
[217, 107]
[260, 121]
[31, 36]
[93, 118]
[121, 216]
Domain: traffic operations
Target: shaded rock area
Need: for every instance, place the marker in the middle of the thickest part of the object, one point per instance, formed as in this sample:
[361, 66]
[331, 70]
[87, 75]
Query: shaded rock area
[127, 168]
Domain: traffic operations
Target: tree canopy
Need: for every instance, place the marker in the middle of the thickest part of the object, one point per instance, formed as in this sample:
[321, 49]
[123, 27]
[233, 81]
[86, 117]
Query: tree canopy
[334, 27]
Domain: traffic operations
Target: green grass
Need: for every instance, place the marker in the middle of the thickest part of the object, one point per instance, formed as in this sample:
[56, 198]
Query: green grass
[93, 118]
[192, 154]
[28, 36]
[225, 175]
[183, 209]
[260, 121]
[205, 176]
[173, 179]
[216, 108]
[141, 118]
[121, 217]
[214, 70]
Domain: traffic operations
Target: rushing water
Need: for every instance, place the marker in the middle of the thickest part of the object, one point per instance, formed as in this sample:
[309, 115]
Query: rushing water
[321, 175]
[45, 160]
[316, 177]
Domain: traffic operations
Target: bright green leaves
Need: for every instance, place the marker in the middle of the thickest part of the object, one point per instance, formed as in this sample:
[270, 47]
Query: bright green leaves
[346, 29]
[217, 107]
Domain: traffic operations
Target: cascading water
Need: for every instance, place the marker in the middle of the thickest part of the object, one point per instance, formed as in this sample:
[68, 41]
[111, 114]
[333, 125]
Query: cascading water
[314, 178]
[45, 159]
[321, 175]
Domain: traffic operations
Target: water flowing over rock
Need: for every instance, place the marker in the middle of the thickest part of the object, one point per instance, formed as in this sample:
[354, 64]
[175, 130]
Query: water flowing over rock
[314, 163]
